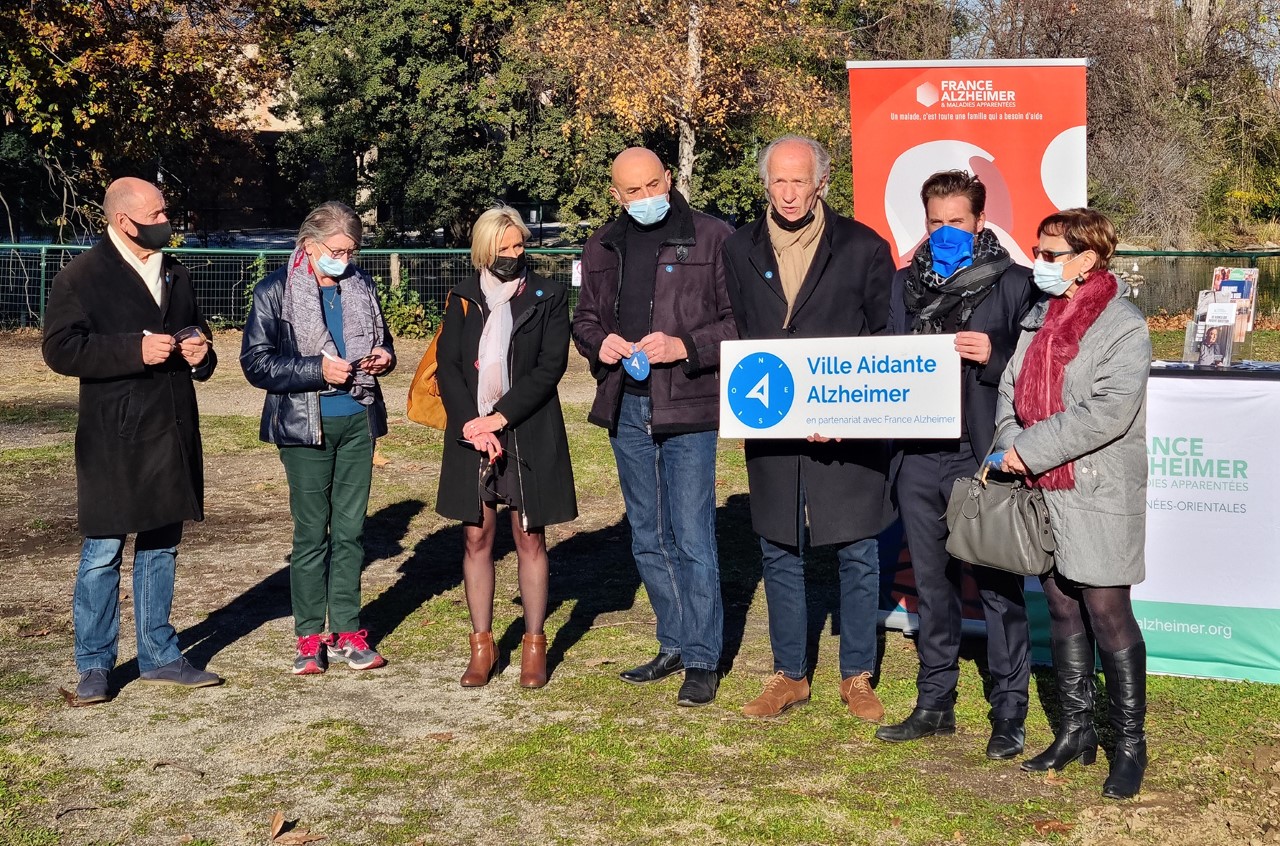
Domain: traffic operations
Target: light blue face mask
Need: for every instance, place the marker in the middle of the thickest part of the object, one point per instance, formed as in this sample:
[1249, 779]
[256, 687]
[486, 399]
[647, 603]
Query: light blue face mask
[1048, 277]
[649, 210]
[331, 267]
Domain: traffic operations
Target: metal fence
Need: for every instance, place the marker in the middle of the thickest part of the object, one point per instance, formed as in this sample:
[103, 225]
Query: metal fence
[224, 278]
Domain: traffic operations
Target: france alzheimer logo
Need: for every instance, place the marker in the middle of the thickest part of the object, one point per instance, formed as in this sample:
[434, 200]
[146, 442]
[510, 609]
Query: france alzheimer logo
[761, 390]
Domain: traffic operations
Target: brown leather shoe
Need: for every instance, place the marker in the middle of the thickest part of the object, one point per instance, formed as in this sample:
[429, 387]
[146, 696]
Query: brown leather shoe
[533, 660]
[484, 660]
[856, 692]
[779, 694]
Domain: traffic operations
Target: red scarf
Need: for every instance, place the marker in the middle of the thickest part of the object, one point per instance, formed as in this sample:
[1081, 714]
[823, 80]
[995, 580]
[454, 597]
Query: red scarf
[1037, 394]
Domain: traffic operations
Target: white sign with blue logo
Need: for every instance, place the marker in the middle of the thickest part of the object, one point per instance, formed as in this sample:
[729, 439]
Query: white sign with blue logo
[888, 386]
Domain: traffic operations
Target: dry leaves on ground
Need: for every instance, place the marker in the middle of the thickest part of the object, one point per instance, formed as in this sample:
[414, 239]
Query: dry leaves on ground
[1044, 827]
[292, 837]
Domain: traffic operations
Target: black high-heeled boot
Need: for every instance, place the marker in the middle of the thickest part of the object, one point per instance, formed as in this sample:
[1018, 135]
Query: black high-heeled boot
[1076, 738]
[1126, 677]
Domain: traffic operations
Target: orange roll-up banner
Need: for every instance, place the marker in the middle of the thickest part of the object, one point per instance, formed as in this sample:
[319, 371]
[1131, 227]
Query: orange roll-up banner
[1018, 125]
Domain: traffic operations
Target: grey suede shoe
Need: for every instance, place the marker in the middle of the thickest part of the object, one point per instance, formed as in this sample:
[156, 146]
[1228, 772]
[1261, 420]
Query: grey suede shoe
[92, 687]
[181, 673]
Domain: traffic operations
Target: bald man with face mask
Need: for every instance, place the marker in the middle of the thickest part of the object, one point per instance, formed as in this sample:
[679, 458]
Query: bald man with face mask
[650, 318]
[122, 318]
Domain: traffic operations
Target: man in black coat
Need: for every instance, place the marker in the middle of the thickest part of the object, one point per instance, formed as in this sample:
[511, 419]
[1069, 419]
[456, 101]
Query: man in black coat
[803, 271]
[962, 281]
[651, 315]
[122, 317]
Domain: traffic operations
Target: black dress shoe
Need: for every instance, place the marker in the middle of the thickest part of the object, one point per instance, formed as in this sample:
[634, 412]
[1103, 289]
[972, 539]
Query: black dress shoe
[1007, 739]
[664, 665]
[699, 688]
[921, 723]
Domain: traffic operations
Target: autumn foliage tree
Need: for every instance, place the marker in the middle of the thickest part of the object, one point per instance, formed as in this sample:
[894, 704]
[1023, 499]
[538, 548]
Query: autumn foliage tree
[1182, 103]
[690, 67]
[90, 89]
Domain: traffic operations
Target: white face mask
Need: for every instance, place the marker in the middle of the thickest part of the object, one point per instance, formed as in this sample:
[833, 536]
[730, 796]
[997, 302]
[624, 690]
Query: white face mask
[1048, 277]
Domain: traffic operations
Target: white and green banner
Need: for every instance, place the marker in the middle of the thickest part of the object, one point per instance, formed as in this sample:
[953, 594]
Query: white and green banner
[1210, 605]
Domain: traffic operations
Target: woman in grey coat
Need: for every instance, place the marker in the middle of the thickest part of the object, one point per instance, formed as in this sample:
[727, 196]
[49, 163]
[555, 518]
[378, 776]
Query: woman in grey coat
[1072, 418]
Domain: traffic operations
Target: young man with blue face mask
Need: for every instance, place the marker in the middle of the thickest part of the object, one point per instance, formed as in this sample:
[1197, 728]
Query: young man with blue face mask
[650, 318]
[960, 281]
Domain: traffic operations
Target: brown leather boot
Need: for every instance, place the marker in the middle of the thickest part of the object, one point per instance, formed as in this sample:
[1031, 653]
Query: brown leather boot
[533, 660]
[484, 660]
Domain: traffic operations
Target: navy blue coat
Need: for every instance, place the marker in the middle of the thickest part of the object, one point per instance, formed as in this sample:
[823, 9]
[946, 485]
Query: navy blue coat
[1000, 317]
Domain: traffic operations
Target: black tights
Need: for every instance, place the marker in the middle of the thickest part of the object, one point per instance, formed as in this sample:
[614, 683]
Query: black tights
[1105, 614]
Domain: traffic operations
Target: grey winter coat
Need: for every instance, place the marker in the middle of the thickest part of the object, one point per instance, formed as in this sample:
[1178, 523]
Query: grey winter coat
[1100, 524]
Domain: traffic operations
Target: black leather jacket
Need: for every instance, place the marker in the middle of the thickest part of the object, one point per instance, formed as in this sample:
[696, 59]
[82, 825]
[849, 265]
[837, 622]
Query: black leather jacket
[270, 360]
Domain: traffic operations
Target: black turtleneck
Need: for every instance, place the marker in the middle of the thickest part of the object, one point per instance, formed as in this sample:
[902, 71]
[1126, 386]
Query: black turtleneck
[639, 273]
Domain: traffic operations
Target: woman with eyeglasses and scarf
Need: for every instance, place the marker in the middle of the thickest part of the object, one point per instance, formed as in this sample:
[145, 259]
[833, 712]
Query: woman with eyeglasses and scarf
[503, 348]
[316, 341]
[1072, 418]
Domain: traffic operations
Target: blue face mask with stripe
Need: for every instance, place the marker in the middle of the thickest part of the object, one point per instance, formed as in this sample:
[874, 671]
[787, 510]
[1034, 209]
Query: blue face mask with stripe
[951, 248]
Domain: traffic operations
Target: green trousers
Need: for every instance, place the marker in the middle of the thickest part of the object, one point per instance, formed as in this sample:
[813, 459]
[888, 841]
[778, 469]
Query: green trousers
[328, 497]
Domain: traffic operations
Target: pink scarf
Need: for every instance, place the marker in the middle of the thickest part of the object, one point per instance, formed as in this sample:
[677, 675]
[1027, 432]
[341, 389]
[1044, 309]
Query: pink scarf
[1037, 394]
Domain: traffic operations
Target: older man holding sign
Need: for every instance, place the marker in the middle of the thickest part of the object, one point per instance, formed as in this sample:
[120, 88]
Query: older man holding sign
[806, 284]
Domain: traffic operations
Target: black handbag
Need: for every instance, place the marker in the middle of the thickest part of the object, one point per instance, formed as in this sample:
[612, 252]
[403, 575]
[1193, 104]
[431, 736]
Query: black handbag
[1000, 524]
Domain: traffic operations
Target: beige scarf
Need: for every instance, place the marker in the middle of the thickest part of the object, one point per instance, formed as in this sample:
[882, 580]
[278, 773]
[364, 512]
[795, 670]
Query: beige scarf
[794, 252]
[494, 380]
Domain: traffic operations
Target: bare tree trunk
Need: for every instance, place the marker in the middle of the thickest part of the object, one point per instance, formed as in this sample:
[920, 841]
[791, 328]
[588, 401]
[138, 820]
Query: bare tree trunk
[364, 188]
[689, 101]
[1198, 29]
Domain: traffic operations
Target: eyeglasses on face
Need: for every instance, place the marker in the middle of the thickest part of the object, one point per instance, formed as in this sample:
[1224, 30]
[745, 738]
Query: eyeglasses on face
[1049, 255]
[341, 254]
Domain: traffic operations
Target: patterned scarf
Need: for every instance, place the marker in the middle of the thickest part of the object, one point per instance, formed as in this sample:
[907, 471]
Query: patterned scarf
[1037, 394]
[361, 323]
[935, 301]
[495, 379]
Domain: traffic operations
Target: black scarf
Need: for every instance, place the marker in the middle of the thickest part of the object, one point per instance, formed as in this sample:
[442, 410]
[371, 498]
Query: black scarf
[941, 305]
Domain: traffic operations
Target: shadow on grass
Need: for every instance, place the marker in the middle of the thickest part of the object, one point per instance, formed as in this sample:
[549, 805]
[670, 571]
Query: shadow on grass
[269, 598]
[593, 570]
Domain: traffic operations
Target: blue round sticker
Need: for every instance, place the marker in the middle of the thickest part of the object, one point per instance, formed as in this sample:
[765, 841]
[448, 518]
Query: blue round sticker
[761, 390]
[637, 364]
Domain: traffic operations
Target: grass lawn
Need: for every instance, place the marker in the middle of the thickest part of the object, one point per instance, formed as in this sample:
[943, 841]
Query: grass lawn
[404, 756]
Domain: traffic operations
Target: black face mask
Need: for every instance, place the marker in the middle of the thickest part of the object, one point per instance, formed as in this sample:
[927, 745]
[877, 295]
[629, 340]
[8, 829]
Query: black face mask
[790, 225]
[507, 268]
[151, 236]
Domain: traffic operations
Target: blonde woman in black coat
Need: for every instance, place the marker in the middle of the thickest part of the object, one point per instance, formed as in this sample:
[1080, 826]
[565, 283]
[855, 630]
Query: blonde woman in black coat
[504, 346]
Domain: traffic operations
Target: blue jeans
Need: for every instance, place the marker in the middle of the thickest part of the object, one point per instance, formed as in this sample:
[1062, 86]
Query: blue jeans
[783, 571]
[669, 488]
[96, 605]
